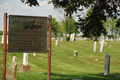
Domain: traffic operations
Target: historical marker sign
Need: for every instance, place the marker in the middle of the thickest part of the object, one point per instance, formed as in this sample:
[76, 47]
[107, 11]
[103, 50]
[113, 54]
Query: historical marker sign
[27, 34]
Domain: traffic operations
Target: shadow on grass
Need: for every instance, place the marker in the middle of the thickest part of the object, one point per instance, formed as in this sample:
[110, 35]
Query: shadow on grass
[100, 76]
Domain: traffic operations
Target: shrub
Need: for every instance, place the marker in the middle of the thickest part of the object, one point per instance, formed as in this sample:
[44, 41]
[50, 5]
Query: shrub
[68, 38]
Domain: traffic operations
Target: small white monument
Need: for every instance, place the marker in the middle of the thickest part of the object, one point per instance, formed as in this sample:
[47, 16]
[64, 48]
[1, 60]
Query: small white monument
[94, 47]
[72, 37]
[107, 38]
[111, 39]
[25, 67]
[34, 54]
[67, 35]
[56, 42]
[102, 43]
[101, 46]
[3, 39]
[75, 53]
[25, 58]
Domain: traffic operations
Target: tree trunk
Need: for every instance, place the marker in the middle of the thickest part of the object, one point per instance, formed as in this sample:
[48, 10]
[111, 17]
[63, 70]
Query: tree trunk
[95, 38]
[112, 33]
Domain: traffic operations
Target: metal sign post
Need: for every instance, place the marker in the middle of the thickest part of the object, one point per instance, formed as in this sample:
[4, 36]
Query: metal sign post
[49, 47]
[38, 21]
[4, 47]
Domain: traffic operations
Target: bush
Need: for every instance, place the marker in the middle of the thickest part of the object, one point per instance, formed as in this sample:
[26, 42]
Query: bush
[68, 38]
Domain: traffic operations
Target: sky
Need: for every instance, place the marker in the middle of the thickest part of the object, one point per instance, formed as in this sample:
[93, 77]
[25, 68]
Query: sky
[16, 7]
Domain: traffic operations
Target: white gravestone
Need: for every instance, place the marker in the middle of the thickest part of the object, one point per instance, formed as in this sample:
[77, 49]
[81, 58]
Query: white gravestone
[101, 46]
[107, 64]
[67, 35]
[107, 38]
[101, 38]
[72, 37]
[105, 43]
[34, 54]
[56, 42]
[94, 46]
[111, 39]
[102, 43]
[75, 53]
[3, 39]
[25, 58]
[119, 38]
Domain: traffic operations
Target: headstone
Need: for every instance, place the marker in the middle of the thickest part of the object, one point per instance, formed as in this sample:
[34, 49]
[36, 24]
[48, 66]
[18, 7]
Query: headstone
[107, 38]
[107, 64]
[94, 46]
[25, 58]
[34, 54]
[61, 40]
[105, 43]
[101, 39]
[12, 70]
[67, 35]
[56, 42]
[72, 37]
[111, 39]
[119, 38]
[101, 46]
[75, 53]
[25, 67]
[3, 39]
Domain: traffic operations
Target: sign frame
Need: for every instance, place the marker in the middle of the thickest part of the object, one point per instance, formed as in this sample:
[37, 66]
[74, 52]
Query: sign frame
[5, 48]
[27, 44]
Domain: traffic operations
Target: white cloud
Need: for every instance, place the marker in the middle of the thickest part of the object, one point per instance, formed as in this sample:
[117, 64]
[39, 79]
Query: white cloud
[6, 3]
[0, 5]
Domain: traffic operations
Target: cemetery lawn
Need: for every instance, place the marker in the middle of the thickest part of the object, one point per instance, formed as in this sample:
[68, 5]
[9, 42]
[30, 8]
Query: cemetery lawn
[66, 66]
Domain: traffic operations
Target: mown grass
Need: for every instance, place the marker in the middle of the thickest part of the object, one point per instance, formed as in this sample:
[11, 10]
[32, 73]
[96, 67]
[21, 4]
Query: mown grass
[66, 66]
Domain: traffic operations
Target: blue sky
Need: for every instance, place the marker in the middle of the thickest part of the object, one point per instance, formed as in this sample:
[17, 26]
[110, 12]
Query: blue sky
[16, 7]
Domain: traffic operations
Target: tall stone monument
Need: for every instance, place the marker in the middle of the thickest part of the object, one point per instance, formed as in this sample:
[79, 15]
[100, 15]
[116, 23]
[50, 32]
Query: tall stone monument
[107, 64]
[12, 70]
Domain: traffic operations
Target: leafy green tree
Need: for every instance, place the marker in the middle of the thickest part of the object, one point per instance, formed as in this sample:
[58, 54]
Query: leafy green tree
[61, 29]
[110, 25]
[1, 32]
[92, 24]
[55, 27]
[71, 26]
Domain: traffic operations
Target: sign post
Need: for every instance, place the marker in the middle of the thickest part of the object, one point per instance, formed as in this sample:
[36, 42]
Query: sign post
[4, 47]
[49, 47]
[27, 34]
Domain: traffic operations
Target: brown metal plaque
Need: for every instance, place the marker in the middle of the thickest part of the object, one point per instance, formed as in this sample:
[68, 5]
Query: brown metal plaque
[27, 34]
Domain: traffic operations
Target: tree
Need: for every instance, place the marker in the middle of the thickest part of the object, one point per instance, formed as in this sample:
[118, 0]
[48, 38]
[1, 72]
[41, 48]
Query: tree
[61, 29]
[71, 26]
[110, 25]
[54, 27]
[92, 24]
[108, 8]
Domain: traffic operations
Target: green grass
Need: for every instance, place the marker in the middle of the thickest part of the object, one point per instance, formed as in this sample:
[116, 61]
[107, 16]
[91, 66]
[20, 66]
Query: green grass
[66, 66]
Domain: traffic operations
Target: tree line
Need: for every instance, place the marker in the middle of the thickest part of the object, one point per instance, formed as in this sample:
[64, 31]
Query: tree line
[60, 28]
